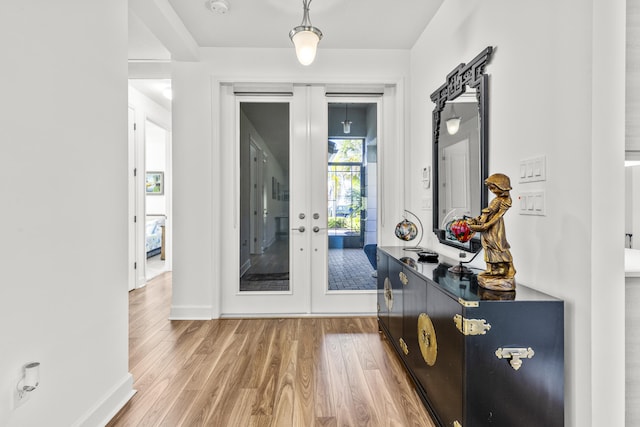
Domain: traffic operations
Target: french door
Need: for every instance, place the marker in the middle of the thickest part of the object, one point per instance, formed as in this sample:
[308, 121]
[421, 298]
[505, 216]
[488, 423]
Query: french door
[275, 256]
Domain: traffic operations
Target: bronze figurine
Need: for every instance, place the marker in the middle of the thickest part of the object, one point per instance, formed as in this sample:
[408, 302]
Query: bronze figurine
[500, 273]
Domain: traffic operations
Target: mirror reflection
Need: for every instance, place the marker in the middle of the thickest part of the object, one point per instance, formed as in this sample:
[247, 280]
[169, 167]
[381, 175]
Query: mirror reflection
[460, 141]
[459, 180]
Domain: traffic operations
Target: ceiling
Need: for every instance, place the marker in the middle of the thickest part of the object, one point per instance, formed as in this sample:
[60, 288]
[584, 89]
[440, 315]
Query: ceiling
[165, 30]
[158, 29]
[362, 24]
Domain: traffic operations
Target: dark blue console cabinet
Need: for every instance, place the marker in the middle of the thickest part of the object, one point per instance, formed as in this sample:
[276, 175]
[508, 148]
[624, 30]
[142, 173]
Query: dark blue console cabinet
[478, 358]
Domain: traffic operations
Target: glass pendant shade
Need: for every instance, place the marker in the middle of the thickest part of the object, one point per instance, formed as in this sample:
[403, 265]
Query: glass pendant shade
[453, 125]
[305, 37]
[306, 43]
[346, 126]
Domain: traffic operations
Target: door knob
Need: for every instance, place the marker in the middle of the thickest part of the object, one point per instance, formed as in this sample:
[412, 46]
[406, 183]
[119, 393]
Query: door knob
[300, 229]
[316, 229]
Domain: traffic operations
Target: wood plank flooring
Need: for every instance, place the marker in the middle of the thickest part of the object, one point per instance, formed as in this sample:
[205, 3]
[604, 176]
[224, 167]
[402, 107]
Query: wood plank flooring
[293, 372]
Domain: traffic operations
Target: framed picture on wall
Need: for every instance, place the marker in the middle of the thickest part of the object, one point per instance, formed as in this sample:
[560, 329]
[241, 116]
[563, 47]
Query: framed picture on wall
[273, 187]
[154, 183]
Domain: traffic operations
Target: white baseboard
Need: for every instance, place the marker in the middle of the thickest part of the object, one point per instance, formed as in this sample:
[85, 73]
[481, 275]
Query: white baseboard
[104, 410]
[191, 312]
[294, 315]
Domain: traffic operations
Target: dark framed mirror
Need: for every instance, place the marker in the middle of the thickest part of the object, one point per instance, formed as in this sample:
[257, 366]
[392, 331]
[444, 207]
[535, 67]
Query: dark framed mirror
[460, 151]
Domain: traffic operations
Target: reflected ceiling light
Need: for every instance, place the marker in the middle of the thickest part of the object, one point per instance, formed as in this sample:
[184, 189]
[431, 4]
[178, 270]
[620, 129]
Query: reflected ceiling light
[167, 93]
[305, 37]
[453, 122]
[346, 124]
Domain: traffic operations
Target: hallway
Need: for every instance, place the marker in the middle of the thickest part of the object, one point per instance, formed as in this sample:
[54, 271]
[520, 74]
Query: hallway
[261, 372]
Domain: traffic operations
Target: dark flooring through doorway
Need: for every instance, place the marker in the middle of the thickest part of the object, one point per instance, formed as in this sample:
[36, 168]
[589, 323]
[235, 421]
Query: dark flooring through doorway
[349, 270]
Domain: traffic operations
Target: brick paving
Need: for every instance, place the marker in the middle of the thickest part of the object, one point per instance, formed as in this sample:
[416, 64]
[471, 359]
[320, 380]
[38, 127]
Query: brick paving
[349, 269]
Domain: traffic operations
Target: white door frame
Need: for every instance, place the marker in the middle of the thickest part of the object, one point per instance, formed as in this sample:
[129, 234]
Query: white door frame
[309, 124]
[131, 212]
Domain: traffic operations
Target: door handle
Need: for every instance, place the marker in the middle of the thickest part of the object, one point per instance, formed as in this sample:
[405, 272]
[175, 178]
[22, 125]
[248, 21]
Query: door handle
[300, 229]
[316, 229]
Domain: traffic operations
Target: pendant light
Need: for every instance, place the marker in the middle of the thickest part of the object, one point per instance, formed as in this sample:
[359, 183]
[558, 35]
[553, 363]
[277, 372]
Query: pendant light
[305, 37]
[453, 122]
[346, 124]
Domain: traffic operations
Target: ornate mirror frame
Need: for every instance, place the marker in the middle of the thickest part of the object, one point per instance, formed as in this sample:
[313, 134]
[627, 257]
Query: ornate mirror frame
[470, 75]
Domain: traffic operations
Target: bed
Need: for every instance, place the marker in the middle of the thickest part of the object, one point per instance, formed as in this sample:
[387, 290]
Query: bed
[153, 236]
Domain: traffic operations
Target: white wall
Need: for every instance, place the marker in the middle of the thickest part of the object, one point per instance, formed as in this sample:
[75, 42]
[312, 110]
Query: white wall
[551, 93]
[201, 180]
[63, 161]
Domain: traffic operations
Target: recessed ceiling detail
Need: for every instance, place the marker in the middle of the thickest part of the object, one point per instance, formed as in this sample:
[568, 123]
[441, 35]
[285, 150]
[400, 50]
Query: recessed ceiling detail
[218, 6]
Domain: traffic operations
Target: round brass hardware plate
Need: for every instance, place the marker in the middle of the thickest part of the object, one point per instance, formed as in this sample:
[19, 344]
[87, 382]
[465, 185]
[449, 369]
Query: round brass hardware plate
[427, 339]
[388, 294]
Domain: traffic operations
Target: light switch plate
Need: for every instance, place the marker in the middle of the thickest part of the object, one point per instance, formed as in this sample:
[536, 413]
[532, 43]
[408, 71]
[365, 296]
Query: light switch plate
[532, 203]
[533, 170]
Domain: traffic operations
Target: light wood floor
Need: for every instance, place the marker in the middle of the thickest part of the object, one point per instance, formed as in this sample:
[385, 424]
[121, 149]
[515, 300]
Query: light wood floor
[261, 372]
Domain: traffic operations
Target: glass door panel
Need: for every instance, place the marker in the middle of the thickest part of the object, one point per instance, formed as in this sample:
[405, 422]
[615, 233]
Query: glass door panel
[351, 149]
[264, 197]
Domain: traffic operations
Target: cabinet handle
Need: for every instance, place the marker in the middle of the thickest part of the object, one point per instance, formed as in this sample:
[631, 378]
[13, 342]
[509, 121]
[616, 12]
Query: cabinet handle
[471, 326]
[404, 347]
[403, 278]
[516, 355]
[427, 339]
[388, 294]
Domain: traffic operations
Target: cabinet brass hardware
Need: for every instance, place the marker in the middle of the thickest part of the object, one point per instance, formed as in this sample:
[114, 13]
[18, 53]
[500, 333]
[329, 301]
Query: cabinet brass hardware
[471, 326]
[404, 347]
[403, 278]
[466, 303]
[388, 293]
[516, 355]
[427, 339]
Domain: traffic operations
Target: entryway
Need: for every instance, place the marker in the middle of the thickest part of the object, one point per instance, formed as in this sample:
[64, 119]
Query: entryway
[301, 200]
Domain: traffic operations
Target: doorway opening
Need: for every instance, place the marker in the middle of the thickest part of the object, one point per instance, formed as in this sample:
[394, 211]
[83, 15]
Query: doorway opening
[150, 202]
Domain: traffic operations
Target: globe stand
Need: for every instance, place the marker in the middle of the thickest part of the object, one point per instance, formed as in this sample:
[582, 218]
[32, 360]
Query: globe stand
[417, 247]
[460, 268]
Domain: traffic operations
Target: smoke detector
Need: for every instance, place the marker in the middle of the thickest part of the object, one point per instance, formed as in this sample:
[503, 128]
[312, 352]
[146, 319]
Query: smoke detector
[218, 6]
